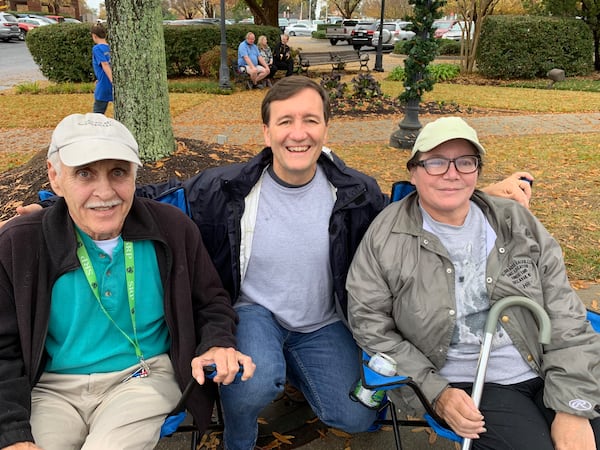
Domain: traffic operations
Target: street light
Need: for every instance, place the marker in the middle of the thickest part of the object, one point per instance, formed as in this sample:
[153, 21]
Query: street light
[224, 68]
[379, 56]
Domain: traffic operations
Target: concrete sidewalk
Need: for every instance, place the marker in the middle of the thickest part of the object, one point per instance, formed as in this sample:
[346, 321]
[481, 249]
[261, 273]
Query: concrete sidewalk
[373, 130]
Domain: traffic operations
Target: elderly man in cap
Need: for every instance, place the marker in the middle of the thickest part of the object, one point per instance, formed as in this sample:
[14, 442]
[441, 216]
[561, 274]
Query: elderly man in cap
[109, 305]
[421, 285]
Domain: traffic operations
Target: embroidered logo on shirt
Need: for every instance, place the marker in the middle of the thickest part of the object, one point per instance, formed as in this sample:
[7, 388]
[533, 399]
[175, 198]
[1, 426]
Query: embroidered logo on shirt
[580, 405]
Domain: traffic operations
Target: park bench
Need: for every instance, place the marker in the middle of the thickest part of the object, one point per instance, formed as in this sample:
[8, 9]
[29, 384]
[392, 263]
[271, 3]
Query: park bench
[338, 60]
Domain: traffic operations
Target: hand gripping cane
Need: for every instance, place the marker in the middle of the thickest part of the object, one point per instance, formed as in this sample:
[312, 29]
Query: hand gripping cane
[490, 327]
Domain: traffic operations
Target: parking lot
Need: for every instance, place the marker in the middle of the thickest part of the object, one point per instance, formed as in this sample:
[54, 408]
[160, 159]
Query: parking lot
[17, 65]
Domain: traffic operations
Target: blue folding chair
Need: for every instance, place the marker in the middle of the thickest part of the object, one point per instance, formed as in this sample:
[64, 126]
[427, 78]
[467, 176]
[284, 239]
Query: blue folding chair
[376, 382]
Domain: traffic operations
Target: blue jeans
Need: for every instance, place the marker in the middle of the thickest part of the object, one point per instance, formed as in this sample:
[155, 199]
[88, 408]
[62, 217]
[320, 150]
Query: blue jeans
[100, 106]
[323, 365]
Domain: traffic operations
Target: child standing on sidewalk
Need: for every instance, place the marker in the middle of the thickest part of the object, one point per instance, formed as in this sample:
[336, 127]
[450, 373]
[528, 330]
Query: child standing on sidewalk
[103, 93]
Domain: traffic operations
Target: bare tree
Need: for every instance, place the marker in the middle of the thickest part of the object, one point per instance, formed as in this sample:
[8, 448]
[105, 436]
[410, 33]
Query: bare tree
[472, 12]
[346, 7]
[140, 75]
[399, 9]
[187, 8]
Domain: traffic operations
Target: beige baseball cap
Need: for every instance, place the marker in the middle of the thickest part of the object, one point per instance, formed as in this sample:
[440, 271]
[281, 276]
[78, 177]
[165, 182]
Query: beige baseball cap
[81, 139]
[443, 130]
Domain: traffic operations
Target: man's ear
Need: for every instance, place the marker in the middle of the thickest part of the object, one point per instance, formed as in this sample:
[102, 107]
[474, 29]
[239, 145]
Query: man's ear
[266, 135]
[54, 178]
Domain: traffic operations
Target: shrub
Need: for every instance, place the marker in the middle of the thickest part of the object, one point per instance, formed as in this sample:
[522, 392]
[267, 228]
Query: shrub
[400, 48]
[443, 72]
[397, 74]
[527, 47]
[210, 61]
[365, 86]
[334, 86]
[439, 72]
[64, 53]
[448, 47]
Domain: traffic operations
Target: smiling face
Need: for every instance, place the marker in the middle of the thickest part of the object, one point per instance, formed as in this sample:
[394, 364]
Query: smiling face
[446, 197]
[99, 195]
[296, 132]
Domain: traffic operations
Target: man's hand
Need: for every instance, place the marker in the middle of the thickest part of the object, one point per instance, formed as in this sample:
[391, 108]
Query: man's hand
[227, 360]
[22, 211]
[458, 410]
[570, 432]
[513, 187]
[23, 446]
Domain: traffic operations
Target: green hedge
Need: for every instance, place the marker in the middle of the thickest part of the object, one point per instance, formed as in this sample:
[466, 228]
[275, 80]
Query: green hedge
[528, 47]
[64, 53]
[446, 47]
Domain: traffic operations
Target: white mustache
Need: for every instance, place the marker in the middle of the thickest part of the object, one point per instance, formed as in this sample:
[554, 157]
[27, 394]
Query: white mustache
[104, 204]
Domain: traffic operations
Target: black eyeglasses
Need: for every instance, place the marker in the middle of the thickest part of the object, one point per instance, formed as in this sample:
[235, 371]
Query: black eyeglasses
[439, 166]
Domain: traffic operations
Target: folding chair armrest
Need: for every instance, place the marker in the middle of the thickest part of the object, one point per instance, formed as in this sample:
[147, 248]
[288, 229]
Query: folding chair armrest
[594, 318]
[377, 382]
[442, 431]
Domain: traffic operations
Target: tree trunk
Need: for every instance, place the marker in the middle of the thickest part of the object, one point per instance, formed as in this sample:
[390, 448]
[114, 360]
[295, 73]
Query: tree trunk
[135, 35]
[265, 12]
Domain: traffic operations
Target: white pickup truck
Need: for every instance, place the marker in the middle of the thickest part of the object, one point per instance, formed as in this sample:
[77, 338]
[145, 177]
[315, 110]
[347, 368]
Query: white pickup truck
[340, 31]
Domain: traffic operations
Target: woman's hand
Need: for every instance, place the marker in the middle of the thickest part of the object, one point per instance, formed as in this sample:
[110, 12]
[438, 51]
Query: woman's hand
[458, 410]
[570, 432]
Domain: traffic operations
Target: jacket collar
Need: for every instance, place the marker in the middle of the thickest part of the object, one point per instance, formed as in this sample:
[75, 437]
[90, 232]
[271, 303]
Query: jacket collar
[59, 231]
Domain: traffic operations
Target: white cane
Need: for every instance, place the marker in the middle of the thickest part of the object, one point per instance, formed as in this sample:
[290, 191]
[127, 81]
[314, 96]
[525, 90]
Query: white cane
[490, 327]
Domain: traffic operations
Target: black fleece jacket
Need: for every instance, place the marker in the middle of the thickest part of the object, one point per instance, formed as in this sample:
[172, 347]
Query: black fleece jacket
[38, 248]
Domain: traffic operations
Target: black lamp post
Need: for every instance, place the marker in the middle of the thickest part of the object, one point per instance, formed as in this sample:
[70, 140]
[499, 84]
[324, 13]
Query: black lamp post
[224, 67]
[408, 129]
[379, 56]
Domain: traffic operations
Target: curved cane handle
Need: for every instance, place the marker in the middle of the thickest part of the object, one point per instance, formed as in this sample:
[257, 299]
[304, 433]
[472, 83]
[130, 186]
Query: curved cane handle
[545, 329]
[515, 300]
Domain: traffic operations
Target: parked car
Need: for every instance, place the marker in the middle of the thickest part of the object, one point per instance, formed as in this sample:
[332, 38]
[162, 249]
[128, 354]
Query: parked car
[283, 22]
[441, 26]
[341, 31]
[189, 22]
[9, 27]
[58, 19]
[456, 32]
[32, 21]
[45, 19]
[24, 28]
[392, 32]
[71, 20]
[362, 34]
[298, 29]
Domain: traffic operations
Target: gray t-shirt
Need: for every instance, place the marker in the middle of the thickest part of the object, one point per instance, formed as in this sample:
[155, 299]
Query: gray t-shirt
[288, 271]
[468, 246]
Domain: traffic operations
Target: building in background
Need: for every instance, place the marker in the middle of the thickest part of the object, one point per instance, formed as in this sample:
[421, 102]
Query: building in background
[56, 7]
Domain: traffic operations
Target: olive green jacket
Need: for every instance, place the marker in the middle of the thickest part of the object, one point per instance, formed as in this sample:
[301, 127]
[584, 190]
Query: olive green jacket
[402, 302]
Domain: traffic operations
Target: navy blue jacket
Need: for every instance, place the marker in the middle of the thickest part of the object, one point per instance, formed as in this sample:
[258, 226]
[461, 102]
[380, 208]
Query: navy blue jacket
[216, 198]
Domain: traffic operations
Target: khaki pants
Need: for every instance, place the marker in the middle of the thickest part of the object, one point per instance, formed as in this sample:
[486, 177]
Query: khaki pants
[99, 412]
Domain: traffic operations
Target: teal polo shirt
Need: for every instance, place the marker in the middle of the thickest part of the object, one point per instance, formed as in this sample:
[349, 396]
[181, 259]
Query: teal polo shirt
[81, 338]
